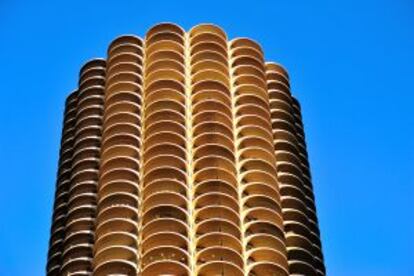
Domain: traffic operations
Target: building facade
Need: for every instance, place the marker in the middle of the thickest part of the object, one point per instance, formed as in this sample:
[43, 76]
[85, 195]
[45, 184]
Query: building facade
[183, 153]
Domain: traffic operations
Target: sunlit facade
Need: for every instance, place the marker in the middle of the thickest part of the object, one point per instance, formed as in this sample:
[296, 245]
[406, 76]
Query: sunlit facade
[183, 153]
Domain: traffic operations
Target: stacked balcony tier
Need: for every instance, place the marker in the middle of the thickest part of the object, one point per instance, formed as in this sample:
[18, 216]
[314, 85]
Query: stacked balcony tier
[60, 210]
[116, 248]
[165, 207]
[80, 222]
[262, 212]
[216, 199]
[289, 173]
[308, 189]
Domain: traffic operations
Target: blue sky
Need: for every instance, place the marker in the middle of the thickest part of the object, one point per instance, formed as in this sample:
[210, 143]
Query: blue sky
[351, 66]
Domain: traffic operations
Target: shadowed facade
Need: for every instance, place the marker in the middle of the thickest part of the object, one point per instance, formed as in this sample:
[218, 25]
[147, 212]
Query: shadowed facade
[183, 153]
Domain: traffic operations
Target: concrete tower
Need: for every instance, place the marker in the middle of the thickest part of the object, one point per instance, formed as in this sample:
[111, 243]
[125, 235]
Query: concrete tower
[183, 153]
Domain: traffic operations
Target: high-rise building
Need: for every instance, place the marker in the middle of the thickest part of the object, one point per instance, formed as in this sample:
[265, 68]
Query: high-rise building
[183, 154]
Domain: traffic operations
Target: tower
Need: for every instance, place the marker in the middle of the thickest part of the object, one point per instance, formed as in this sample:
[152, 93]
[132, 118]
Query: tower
[183, 153]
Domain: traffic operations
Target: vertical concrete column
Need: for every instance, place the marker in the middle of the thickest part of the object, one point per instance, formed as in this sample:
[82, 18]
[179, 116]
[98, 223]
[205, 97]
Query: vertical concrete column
[80, 223]
[57, 233]
[165, 207]
[308, 189]
[116, 249]
[218, 242]
[289, 172]
[262, 214]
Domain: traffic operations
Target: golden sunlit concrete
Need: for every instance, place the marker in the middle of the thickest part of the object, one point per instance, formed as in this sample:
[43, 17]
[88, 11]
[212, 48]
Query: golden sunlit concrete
[183, 153]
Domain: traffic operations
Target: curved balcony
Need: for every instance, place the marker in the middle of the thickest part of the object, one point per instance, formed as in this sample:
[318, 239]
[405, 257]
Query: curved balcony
[165, 125]
[168, 238]
[115, 266]
[208, 38]
[165, 148]
[125, 53]
[123, 96]
[127, 41]
[210, 74]
[277, 68]
[217, 149]
[269, 227]
[122, 151]
[121, 76]
[217, 225]
[212, 110]
[257, 158]
[259, 187]
[81, 211]
[213, 160]
[263, 201]
[255, 99]
[80, 265]
[164, 198]
[122, 107]
[165, 224]
[215, 173]
[122, 40]
[124, 85]
[219, 267]
[167, 266]
[267, 255]
[167, 45]
[254, 130]
[95, 99]
[212, 138]
[222, 239]
[164, 185]
[165, 35]
[167, 160]
[169, 94]
[215, 185]
[216, 199]
[202, 65]
[120, 64]
[276, 93]
[164, 253]
[298, 228]
[207, 28]
[213, 127]
[91, 65]
[164, 27]
[115, 237]
[278, 88]
[266, 240]
[218, 253]
[267, 268]
[215, 45]
[297, 267]
[164, 137]
[169, 115]
[164, 74]
[164, 172]
[252, 69]
[164, 210]
[124, 141]
[164, 58]
[243, 42]
[110, 253]
[213, 93]
[118, 202]
[216, 211]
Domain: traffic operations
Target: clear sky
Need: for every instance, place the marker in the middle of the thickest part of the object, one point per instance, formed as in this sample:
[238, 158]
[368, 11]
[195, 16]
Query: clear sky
[351, 66]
